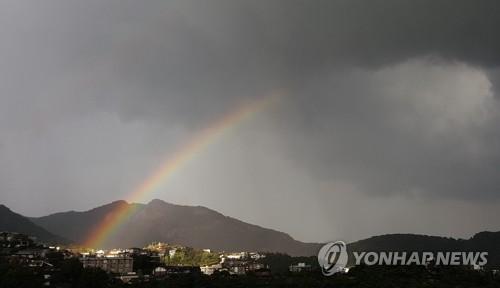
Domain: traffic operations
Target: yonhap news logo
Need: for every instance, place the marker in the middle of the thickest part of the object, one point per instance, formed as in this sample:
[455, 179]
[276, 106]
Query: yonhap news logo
[332, 257]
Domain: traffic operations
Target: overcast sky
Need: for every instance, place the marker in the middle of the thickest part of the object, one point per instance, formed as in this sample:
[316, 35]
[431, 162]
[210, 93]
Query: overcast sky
[389, 121]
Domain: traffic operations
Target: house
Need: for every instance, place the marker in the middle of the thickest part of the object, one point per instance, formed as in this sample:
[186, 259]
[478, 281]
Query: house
[117, 253]
[120, 265]
[128, 278]
[299, 267]
[238, 269]
[100, 253]
[136, 251]
[32, 253]
[13, 238]
[4, 235]
[209, 270]
[159, 272]
[7, 236]
[40, 263]
[165, 270]
[171, 253]
[237, 256]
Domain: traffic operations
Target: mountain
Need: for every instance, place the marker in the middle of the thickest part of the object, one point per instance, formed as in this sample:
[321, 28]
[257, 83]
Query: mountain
[480, 242]
[13, 222]
[78, 225]
[200, 227]
[193, 226]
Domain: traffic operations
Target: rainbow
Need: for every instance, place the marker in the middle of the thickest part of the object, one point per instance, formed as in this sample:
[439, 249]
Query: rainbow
[112, 223]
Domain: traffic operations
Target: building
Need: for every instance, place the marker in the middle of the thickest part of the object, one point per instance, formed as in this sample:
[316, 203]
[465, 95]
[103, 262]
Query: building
[238, 269]
[209, 270]
[17, 239]
[299, 267]
[164, 270]
[237, 256]
[122, 265]
[128, 278]
[171, 253]
[31, 253]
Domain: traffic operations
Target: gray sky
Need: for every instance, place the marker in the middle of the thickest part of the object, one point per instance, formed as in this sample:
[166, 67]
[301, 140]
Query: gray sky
[389, 121]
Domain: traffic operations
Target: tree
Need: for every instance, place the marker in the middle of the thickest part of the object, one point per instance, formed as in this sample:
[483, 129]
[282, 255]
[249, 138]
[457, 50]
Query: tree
[94, 277]
[70, 272]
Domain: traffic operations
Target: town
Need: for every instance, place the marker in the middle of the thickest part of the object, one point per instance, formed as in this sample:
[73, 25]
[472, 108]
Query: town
[156, 261]
[26, 263]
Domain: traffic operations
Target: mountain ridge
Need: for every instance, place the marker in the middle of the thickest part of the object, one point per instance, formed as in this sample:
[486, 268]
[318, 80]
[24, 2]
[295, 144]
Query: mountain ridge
[195, 226]
[202, 227]
[14, 222]
[485, 241]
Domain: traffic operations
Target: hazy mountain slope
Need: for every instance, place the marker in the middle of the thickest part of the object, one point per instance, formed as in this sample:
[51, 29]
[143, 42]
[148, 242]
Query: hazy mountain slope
[77, 225]
[13, 222]
[406, 242]
[185, 225]
[201, 227]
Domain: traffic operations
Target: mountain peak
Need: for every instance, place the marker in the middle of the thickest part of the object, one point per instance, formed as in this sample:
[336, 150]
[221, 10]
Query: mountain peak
[193, 226]
[112, 205]
[119, 202]
[157, 201]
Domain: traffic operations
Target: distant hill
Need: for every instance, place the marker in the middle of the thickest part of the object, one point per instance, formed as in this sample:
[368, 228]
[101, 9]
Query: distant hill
[13, 222]
[192, 226]
[481, 242]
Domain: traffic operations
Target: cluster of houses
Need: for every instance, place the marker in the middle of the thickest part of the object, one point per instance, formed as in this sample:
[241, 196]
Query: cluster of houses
[121, 263]
[10, 241]
[24, 249]
[239, 264]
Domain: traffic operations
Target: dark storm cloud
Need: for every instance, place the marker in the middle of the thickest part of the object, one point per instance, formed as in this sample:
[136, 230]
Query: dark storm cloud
[404, 130]
[214, 52]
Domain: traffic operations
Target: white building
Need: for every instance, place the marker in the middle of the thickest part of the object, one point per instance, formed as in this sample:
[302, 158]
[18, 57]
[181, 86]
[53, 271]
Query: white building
[209, 270]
